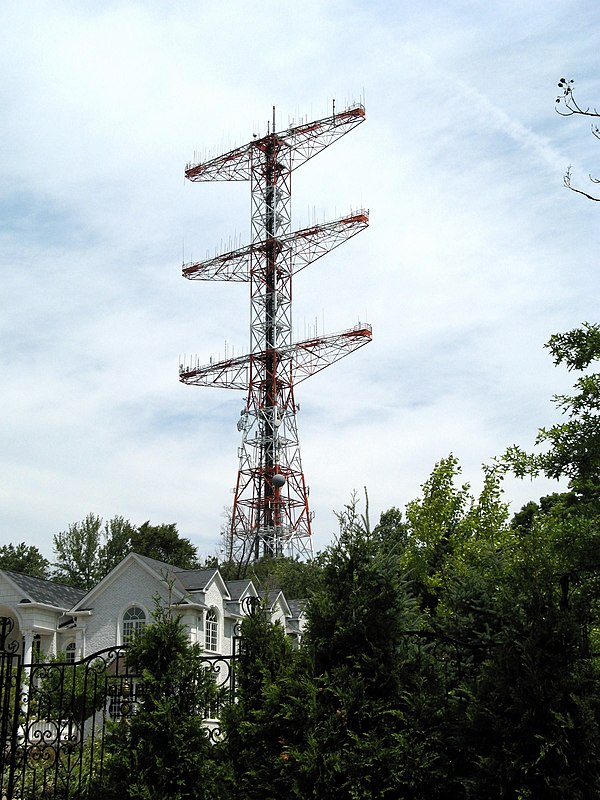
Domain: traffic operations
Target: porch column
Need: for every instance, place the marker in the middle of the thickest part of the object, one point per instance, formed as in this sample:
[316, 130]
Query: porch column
[80, 642]
[28, 647]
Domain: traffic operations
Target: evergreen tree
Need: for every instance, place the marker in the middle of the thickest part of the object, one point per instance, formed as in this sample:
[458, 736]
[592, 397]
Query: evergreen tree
[164, 752]
[376, 731]
[268, 728]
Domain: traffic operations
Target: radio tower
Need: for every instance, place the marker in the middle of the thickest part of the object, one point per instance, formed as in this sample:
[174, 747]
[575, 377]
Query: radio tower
[270, 511]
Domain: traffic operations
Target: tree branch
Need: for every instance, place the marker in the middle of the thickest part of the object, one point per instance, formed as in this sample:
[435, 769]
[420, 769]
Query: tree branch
[567, 182]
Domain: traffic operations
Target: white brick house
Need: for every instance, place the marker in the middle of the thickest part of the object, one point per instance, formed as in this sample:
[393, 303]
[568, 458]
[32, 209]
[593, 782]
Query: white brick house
[54, 618]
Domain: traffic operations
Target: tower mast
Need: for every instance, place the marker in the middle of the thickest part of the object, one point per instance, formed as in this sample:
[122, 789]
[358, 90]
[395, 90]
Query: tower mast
[270, 512]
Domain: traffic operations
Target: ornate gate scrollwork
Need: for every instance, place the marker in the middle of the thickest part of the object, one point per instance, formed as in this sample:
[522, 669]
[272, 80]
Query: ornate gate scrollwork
[54, 715]
[10, 697]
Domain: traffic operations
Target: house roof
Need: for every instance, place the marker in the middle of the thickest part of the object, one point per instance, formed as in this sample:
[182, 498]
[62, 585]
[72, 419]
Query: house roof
[297, 607]
[195, 580]
[38, 590]
[272, 596]
[158, 566]
[237, 588]
[192, 580]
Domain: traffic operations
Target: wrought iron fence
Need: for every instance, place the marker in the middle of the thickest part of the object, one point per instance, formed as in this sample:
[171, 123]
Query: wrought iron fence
[54, 715]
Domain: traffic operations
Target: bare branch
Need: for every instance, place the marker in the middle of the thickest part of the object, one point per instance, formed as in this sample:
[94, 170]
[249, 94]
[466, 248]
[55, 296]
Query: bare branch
[569, 107]
[567, 181]
[568, 104]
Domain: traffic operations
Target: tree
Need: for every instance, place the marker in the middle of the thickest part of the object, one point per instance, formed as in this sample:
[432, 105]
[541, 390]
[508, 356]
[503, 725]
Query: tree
[532, 726]
[567, 106]
[376, 727]
[77, 552]
[268, 728]
[542, 683]
[454, 560]
[572, 448]
[164, 543]
[24, 558]
[87, 551]
[117, 536]
[164, 752]
[296, 579]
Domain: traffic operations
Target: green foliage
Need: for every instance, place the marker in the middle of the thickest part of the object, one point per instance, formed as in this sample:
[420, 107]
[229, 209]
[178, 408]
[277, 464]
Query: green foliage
[296, 579]
[267, 728]
[449, 652]
[509, 612]
[571, 448]
[164, 543]
[375, 723]
[61, 691]
[543, 684]
[451, 535]
[118, 533]
[24, 558]
[536, 720]
[77, 553]
[87, 551]
[392, 527]
[164, 753]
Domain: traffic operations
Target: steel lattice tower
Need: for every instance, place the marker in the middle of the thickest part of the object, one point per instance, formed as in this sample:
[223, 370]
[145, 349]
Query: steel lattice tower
[270, 510]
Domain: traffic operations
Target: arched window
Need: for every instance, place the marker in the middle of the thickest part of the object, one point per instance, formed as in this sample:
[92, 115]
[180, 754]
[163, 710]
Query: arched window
[134, 620]
[70, 652]
[211, 631]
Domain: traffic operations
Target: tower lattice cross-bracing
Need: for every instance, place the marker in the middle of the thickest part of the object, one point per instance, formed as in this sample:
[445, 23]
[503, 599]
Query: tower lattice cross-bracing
[270, 513]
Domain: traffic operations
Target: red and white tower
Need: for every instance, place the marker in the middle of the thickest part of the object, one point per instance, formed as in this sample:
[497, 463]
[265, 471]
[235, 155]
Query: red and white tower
[270, 509]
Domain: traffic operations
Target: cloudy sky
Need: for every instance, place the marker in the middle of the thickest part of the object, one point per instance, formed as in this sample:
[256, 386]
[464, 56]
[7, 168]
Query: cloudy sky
[475, 255]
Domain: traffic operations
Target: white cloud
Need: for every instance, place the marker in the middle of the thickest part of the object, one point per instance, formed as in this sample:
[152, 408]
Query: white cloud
[474, 256]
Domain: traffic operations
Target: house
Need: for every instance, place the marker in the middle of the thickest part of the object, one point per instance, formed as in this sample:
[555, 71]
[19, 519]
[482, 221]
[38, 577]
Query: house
[50, 618]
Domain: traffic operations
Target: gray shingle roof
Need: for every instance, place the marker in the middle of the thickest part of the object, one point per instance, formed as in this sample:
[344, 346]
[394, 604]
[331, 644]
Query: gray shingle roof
[270, 595]
[297, 607]
[237, 588]
[195, 579]
[158, 566]
[192, 580]
[38, 590]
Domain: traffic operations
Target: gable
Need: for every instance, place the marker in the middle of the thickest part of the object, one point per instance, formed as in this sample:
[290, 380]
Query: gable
[154, 572]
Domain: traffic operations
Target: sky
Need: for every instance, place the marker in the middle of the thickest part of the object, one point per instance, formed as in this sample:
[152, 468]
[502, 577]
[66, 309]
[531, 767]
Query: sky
[475, 254]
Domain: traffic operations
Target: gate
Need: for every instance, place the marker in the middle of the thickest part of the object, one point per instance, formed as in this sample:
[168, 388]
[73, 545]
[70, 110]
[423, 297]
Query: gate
[54, 717]
[10, 683]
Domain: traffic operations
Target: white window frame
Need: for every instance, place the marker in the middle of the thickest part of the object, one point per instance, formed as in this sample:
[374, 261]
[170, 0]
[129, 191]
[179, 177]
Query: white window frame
[130, 625]
[211, 631]
[70, 652]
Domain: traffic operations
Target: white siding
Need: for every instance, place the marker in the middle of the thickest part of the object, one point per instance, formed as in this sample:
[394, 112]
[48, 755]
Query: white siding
[8, 594]
[133, 585]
